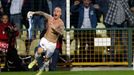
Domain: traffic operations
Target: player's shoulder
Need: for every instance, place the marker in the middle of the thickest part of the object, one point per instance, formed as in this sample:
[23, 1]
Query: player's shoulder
[50, 17]
[62, 23]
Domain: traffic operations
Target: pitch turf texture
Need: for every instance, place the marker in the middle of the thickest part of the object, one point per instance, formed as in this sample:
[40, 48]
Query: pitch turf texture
[73, 73]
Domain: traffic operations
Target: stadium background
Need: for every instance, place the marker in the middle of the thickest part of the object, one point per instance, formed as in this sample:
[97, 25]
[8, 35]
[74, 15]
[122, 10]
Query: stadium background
[100, 54]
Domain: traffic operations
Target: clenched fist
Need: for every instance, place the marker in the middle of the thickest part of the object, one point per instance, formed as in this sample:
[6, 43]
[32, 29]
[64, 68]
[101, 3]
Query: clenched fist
[76, 2]
[30, 14]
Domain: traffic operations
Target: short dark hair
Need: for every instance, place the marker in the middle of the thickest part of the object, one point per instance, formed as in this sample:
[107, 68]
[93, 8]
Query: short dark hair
[4, 15]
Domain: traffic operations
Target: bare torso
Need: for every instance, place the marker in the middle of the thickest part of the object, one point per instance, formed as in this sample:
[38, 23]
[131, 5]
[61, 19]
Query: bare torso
[58, 25]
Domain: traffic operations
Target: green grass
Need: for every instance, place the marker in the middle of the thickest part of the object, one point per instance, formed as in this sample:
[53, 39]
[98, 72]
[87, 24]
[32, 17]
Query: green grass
[73, 73]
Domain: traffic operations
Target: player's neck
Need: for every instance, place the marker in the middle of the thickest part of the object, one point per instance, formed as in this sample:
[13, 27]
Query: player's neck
[57, 18]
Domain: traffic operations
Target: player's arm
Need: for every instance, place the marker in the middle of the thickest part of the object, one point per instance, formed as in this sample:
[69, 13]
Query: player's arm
[30, 13]
[59, 30]
[43, 14]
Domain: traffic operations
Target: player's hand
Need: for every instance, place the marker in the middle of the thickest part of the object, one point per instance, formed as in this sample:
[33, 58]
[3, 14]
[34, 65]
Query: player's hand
[132, 9]
[15, 28]
[96, 6]
[1, 10]
[30, 14]
[76, 2]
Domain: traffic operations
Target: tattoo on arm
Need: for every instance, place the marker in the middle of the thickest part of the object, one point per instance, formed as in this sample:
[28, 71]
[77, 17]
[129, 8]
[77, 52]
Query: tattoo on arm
[43, 14]
[58, 30]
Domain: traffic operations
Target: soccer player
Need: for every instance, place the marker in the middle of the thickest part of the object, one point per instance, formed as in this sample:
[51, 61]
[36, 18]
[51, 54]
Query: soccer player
[47, 44]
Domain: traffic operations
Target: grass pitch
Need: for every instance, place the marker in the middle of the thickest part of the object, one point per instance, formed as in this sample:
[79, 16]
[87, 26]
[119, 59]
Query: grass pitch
[118, 72]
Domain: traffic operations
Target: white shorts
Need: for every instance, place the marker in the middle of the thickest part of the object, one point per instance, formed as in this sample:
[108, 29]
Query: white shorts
[48, 46]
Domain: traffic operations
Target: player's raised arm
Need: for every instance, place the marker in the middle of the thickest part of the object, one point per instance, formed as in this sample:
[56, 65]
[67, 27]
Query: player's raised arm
[60, 29]
[30, 13]
[43, 14]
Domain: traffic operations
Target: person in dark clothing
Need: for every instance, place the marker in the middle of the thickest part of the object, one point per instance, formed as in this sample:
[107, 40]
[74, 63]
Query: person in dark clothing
[6, 6]
[7, 30]
[131, 5]
[8, 33]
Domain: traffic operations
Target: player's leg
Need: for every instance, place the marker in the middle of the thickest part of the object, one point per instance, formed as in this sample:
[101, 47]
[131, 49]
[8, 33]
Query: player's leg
[38, 54]
[49, 55]
[34, 61]
[32, 64]
[44, 66]
[50, 47]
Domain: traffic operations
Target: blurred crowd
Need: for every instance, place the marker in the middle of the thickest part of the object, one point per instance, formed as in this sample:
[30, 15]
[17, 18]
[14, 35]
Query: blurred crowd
[115, 12]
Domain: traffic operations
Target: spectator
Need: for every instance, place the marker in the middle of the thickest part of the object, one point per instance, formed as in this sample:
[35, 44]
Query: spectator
[90, 16]
[6, 6]
[73, 16]
[131, 4]
[8, 33]
[4, 25]
[119, 12]
[87, 19]
[50, 6]
[15, 12]
[27, 6]
[103, 8]
[1, 9]
[116, 17]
